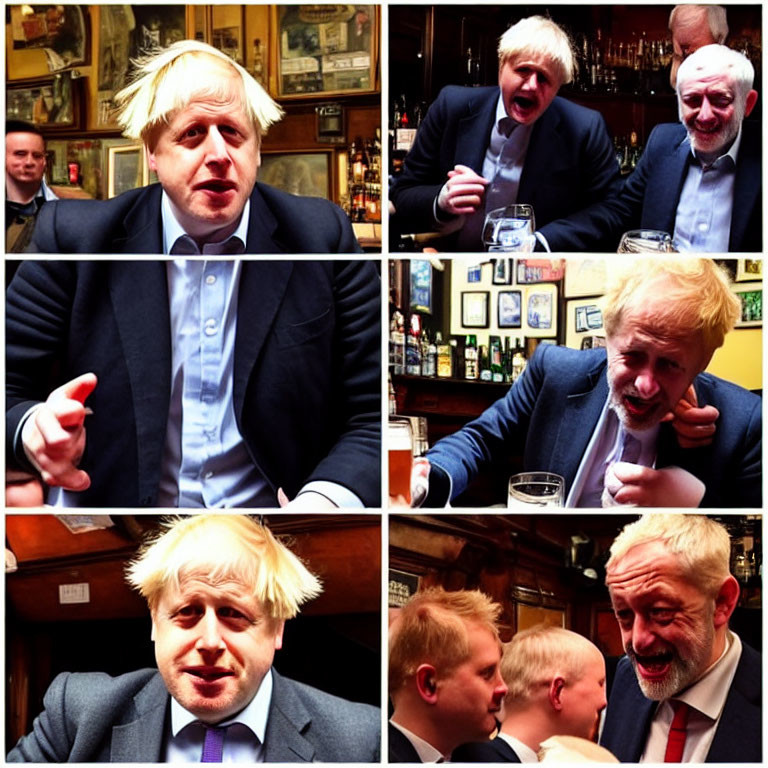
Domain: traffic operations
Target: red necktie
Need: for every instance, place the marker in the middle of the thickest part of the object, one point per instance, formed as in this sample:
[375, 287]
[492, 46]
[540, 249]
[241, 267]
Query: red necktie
[677, 733]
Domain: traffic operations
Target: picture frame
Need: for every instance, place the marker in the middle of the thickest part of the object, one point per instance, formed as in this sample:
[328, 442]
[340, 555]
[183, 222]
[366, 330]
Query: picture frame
[54, 103]
[751, 297]
[303, 172]
[324, 50]
[126, 169]
[541, 310]
[530, 271]
[421, 286]
[583, 318]
[748, 269]
[474, 309]
[502, 271]
[509, 309]
[584, 277]
[227, 25]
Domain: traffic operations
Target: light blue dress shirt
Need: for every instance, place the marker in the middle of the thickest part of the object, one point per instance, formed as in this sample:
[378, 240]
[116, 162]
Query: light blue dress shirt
[244, 740]
[703, 219]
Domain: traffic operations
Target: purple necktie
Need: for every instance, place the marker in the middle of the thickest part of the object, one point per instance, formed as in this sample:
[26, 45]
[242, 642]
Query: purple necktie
[213, 746]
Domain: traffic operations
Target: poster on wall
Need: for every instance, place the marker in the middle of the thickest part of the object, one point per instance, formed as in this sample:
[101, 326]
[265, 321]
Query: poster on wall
[421, 286]
[58, 29]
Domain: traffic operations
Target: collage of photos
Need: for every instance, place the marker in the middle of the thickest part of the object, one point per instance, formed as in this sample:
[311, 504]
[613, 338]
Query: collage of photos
[323, 315]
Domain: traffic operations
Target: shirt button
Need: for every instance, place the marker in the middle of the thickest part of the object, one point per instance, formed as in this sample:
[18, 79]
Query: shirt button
[210, 279]
[703, 227]
[210, 326]
[208, 475]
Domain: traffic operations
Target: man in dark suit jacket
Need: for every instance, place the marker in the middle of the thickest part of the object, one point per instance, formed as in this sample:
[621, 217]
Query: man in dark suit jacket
[558, 415]
[201, 117]
[683, 663]
[305, 379]
[219, 589]
[701, 179]
[561, 161]
[556, 687]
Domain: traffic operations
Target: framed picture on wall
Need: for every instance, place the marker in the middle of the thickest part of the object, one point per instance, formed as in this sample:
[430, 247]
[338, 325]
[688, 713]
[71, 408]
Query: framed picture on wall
[53, 103]
[749, 269]
[584, 277]
[325, 49]
[421, 286]
[474, 309]
[751, 297]
[583, 319]
[502, 271]
[541, 309]
[539, 270]
[299, 173]
[510, 309]
[126, 169]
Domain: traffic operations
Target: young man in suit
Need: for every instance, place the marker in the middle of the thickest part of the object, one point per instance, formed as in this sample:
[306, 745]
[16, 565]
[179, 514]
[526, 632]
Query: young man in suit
[688, 689]
[212, 383]
[484, 148]
[219, 590]
[700, 179]
[608, 420]
[201, 117]
[444, 679]
[556, 687]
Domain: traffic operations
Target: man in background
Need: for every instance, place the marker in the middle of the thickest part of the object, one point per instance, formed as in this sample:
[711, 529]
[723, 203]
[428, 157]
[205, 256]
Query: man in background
[692, 27]
[25, 187]
[688, 690]
[220, 589]
[479, 149]
[555, 682]
[444, 679]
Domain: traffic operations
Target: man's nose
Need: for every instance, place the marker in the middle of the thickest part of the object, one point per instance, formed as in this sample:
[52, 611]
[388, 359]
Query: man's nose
[500, 691]
[532, 81]
[216, 147]
[209, 638]
[646, 384]
[642, 637]
[706, 114]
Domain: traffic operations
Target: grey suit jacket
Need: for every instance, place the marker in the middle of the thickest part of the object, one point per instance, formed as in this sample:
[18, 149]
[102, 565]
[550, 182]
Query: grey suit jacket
[91, 717]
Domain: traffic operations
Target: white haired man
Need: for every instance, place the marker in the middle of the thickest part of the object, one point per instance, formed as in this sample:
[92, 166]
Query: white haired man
[700, 179]
[219, 590]
[688, 689]
[201, 117]
[484, 148]
[692, 27]
[555, 682]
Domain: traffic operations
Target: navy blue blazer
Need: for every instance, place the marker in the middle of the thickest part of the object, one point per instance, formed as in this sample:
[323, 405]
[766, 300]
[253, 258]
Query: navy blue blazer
[400, 748]
[495, 751]
[738, 738]
[93, 718]
[652, 193]
[570, 165]
[548, 416]
[307, 392]
[131, 223]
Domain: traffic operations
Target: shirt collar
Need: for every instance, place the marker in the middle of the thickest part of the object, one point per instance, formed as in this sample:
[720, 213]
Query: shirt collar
[172, 230]
[708, 694]
[733, 151]
[426, 752]
[253, 716]
[523, 751]
[504, 123]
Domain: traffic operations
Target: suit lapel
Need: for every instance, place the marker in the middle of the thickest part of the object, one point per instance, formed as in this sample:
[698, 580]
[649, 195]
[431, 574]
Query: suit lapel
[543, 154]
[139, 294]
[262, 287]
[141, 741]
[262, 226]
[661, 211]
[475, 129]
[746, 188]
[288, 718]
[577, 425]
[143, 225]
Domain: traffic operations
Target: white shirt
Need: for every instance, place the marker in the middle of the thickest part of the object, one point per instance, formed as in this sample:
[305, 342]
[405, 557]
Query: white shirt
[707, 698]
[426, 752]
[523, 751]
[243, 741]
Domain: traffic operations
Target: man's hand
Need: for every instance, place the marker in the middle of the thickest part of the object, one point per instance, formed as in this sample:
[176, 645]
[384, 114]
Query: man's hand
[54, 435]
[463, 192]
[640, 486]
[23, 489]
[309, 501]
[695, 426]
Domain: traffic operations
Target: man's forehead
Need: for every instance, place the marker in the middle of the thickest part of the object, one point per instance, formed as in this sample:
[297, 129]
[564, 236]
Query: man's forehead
[707, 81]
[645, 566]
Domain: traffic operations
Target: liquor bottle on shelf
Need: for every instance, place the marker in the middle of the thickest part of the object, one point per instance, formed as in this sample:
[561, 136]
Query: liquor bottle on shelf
[470, 357]
[413, 347]
[428, 356]
[518, 360]
[397, 343]
[497, 371]
[444, 358]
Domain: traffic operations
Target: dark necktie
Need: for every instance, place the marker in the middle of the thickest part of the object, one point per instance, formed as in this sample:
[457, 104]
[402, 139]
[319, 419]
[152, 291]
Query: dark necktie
[677, 733]
[213, 746]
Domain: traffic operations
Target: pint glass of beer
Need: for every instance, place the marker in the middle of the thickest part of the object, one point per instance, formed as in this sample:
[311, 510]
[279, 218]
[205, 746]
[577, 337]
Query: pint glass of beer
[400, 445]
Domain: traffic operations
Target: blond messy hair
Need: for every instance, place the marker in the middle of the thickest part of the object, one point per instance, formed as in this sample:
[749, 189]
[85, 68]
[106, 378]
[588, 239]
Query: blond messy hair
[219, 547]
[431, 628]
[535, 656]
[697, 296]
[702, 546]
[539, 35]
[164, 83]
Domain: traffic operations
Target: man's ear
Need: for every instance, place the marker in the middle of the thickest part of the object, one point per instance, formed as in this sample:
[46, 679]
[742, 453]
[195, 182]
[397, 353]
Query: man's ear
[279, 627]
[749, 104]
[152, 634]
[555, 693]
[426, 683]
[725, 601]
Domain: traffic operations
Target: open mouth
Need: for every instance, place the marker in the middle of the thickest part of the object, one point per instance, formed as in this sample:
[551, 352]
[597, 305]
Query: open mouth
[218, 186]
[654, 666]
[637, 406]
[208, 674]
[524, 103]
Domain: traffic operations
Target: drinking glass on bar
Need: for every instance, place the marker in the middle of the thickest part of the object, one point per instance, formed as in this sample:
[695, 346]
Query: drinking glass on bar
[400, 448]
[536, 489]
[646, 241]
[510, 229]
